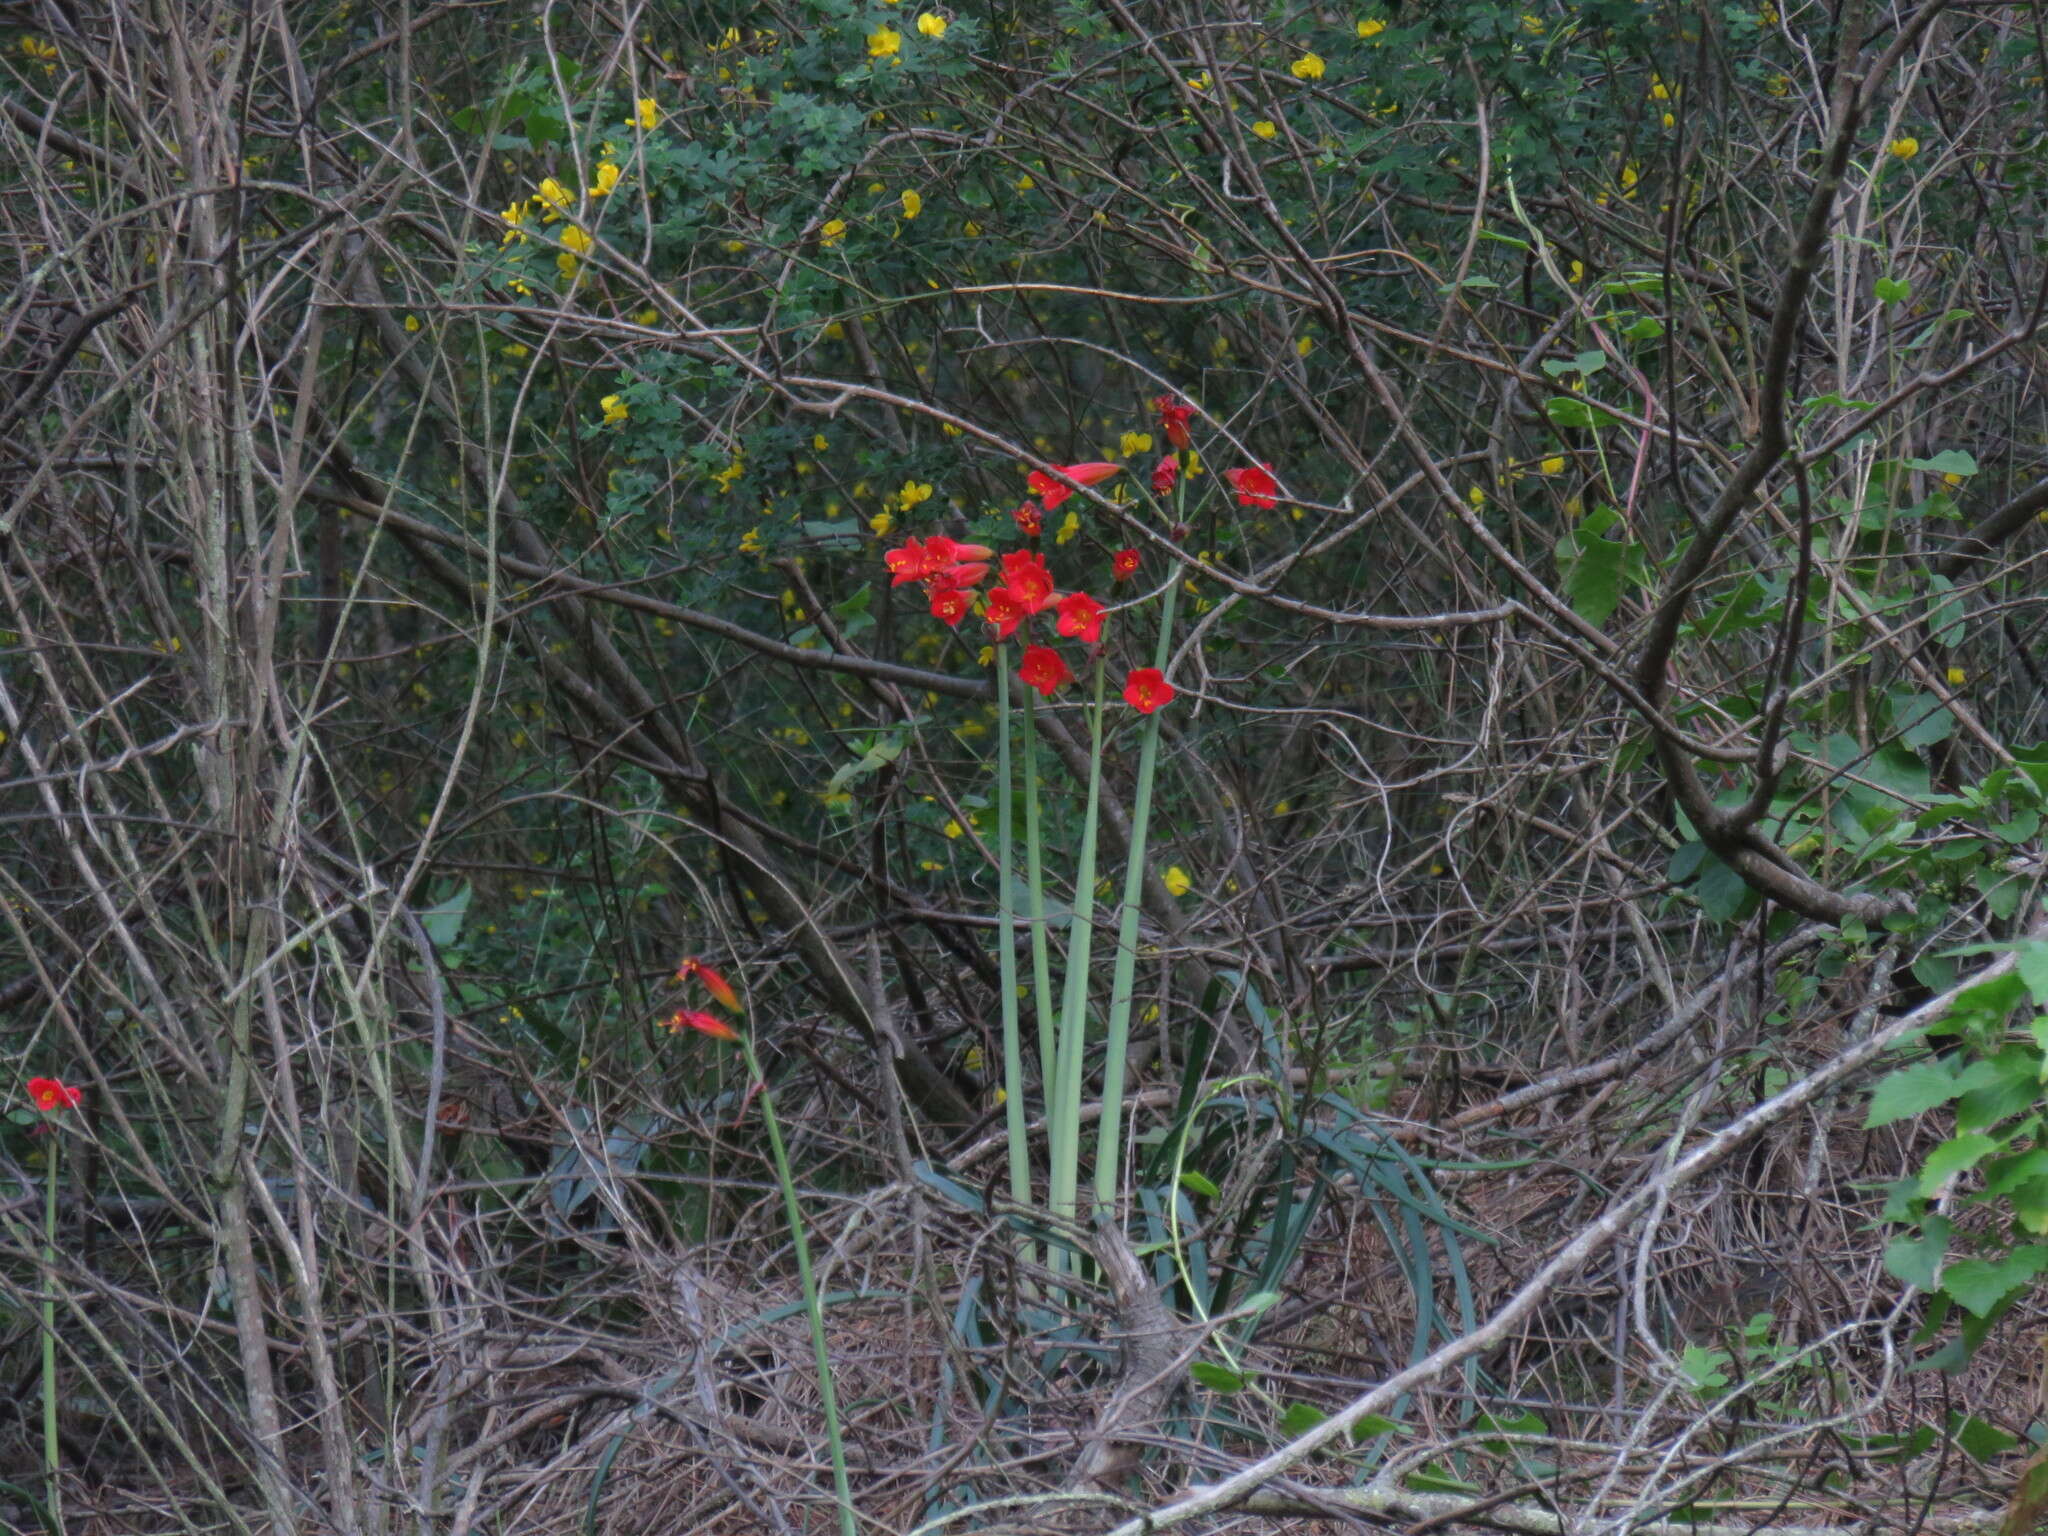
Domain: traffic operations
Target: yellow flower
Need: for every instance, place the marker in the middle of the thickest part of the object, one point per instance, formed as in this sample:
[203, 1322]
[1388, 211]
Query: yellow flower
[819, 443]
[750, 541]
[1199, 82]
[884, 43]
[1264, 128]
[831, 233]
[881, 523]
[577, 239]
[1025, 183]
[607, 178]
[913, 495]
[1554, 465]
[39, 49]
[1477, 496]
[614, 410]
[566, 264]
[1306, 345]
[913, 204]
[1177, 881]
[1135, 443]
[515, 216]
[1629, 177]
[1905, 148]
[1659, 91]
[1957, 677]
[1370, 29]
[952, 828]
[1308, 67]
[645, 114]
[412, 322]
[1068, 529]
[971, 230]
[730, 473]
[932, 24]
[1533, 25]
[1670, 121]
[556, 196]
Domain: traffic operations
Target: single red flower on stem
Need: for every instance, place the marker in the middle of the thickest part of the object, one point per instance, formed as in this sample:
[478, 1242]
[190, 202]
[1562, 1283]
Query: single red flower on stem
[1029, 581]
[50, 1094]
[950, 605]
[1003, 612]
[1164, 473]
[696, 970]
[1030, 521]
[697, 1019]
[1123, 564]
[1081, 617]
[1174, 416]
[1146, 689]
[1256, 486]
[1043, 669]
[1053, 492]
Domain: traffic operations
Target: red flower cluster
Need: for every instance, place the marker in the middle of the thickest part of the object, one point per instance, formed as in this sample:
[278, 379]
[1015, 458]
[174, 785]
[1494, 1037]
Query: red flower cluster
[1123, 564]
[50, 1094]
[950, 571]
[701, 1019]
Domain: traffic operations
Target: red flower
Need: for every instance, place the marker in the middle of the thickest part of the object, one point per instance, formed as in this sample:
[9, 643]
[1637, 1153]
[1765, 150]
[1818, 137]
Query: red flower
[50, 1094]
[1256, 487]
[1030, 521]
[1164, 473]
[1030, 583]
[922, 559]
[1003, 612]
[696, 970]
[950, 604]
[1174, 416]
[1081, 617]
[966, 573]
[1053, 492]
[1123, 563]
[697, 1019]
[1043, 669]
[1146, 689]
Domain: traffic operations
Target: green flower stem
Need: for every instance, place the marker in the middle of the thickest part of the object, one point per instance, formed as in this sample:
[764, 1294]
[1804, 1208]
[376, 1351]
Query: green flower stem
[1123, 982]
[1066, 1122]
[827, 1397]
[50, 1443]
[1006, 938]
[1034, 875]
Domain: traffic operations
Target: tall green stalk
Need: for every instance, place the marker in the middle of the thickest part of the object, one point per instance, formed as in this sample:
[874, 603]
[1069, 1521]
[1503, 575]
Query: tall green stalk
[1013, 1044]
[1034, 874]
[827, 1396]
[1123, 982]
[1065, 1118]
[50, 1442]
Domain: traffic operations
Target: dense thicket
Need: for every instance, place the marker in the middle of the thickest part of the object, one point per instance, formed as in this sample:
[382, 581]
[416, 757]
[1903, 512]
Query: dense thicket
[447, 458]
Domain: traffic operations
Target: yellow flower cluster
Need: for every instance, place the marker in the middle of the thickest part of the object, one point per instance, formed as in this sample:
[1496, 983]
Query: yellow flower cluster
[1308, 67]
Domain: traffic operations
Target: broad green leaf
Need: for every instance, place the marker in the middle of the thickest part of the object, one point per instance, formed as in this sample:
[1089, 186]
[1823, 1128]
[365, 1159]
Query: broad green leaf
[1916, 1260]
[1957, 1155]
[1910, 1091]
[1980, 1284]
[1217, 1378]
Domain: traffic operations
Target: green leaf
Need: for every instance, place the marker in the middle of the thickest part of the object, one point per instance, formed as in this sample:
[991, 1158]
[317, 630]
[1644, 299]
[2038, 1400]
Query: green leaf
[1371, 1427]
[1198, 1184]
[1299, 1419]
[1704, 1368]
[1597, 567]
[1571, 411]
[1917, 1260]
[1910, 1091]
[1891, 290]
[1980, 1440]
[1957, 1155]
[1217, 1378]
[1950, 461]
[443, 923]
[1981, 1284]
